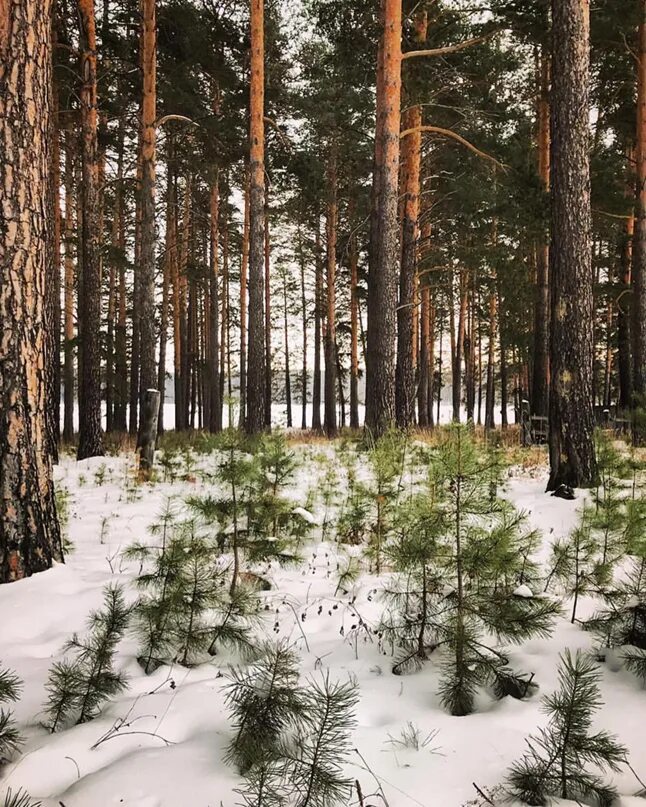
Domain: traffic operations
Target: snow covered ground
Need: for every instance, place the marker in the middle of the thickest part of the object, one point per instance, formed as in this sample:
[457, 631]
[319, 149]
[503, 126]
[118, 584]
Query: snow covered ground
[169, 751]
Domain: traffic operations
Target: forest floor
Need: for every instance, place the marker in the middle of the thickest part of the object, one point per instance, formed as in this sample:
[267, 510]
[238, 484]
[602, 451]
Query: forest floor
[169, 750]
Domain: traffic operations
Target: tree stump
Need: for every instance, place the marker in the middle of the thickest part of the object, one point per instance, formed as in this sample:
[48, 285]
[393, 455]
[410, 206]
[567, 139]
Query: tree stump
[148, 431]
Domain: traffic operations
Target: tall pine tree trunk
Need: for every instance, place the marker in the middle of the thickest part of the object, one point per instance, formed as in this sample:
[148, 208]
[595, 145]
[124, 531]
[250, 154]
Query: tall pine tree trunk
[170, 259]
[268, 377]
[330, 331]
[382, 285]
[571, 419]
[540, 376]
[490, 399]
[354, 329]
[29, 531]
[623, 301]
[318, 314]
[411, 155]
[53, 280]
[288, 381]
[244, 273]
[639, 250]
[255, 420]
[149, 375]
[90, 434]
[301, 259]
[213, 353]
[68, 292]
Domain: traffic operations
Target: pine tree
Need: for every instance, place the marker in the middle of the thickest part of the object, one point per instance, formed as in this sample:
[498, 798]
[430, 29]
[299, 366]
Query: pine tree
[571, 420]
[187, 610]
[10, 687]
[556, 763]
[463, 566]
[622, 621]
[78, 686]
[576, 562]
[386, 457]
[324, 743]
[265, 703]
[29, 532]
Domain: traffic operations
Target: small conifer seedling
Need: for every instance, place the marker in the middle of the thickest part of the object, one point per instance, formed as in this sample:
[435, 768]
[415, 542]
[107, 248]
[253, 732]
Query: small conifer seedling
[10, 686]
[79, 685]
[558, 760]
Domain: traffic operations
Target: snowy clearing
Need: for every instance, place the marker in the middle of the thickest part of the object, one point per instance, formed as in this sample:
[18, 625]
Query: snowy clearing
[161, 743]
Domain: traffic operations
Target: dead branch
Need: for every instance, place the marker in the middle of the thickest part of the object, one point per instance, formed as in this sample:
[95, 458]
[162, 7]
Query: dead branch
[453, 136]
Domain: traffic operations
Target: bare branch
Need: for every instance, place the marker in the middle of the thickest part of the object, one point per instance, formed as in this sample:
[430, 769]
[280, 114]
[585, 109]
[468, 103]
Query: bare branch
[412, 54]
[453, 136]
[161, 121]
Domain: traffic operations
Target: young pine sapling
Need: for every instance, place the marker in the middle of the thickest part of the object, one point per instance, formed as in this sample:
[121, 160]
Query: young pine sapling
[79, 685]
[557, 762]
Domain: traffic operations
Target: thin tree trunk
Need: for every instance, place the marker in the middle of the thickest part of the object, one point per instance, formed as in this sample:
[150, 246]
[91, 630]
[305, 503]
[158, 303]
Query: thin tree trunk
[490, 401]
[133, 391]
[330, 331]
[68, 304]
[423, 403]
[624, 357]
[382, 290]
[354, 329]
[540, 375]
[318, 304]
[268, 376]
[213, 352]
[149, 373]
[170, 259]
[29, 530]
[411, 155]
[53, 280]
[571, 419]
[256, 419]
[459, 348]
[244, 270]
[288, 382]
[225, 348]
[638, 322]
[90, 434]
[304, 326]
[504, 380]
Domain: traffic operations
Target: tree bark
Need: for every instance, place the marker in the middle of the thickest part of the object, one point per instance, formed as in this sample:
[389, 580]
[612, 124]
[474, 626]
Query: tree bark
[90, 433]
[268, 375]
[53, 280]
[318, 304]
[382, 286]
[213, 352]
[149, 374]
[354, 329]
[330, 421]
[244, 271]
[255, 420]
[624, 301]
[459, 347]
[288, 381]
[490, 400]
[301, 258]
[571, 419]
[540, 375]
[170, 259]
[29, 531]
[68, 291]
[411, 155]
[638, 322]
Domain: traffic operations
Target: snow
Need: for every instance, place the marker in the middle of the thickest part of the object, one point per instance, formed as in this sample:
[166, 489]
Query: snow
[161, 743]
[524, 591]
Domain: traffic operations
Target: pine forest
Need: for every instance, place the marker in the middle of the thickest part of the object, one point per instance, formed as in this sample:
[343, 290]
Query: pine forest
[322, 403]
